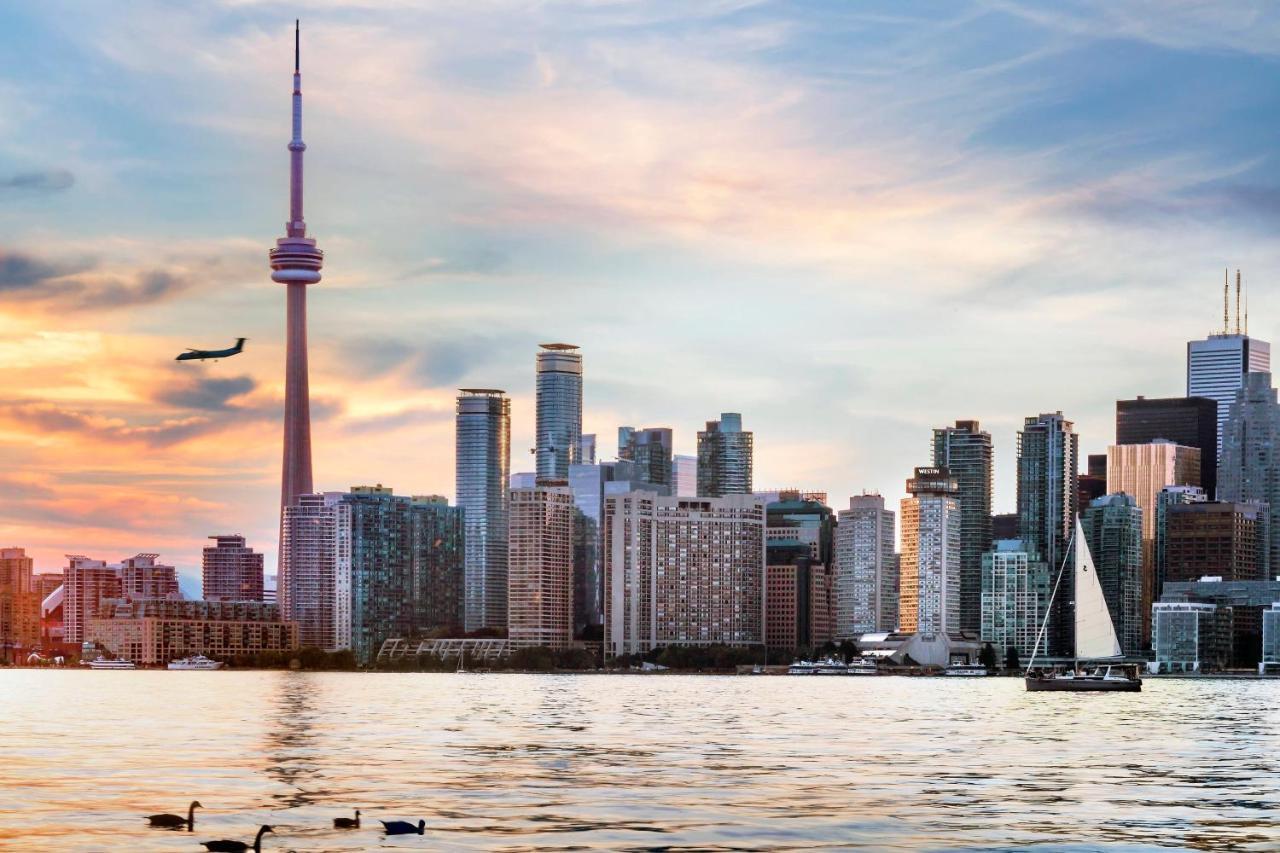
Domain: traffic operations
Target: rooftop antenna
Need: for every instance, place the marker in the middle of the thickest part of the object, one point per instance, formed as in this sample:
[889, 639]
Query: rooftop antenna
[1225, 276]
[1237, 301]
[297, 45]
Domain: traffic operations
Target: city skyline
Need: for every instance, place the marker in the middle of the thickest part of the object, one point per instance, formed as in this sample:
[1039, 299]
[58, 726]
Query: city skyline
[108, 448]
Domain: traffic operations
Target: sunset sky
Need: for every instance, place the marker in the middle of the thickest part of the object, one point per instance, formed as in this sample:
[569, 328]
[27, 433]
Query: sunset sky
[851, 222]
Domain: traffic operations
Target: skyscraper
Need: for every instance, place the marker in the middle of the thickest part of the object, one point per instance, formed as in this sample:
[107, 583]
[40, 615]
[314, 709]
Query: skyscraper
[1015, 597]
[929, 573]
[540, 565]
[1048, 461]
[1189, 421]
[1214, 539]
[559, 410]
[1249, 463]
[589, 485]
[307, 587]
[483, 460]
[85, 585]
[142, 577]
[684, 473]
[965, 451]
[649, 450]
[232, 571]
[1169, 497]
[1112, 525]
[1217, 366]
[295, 263]
[866, 568]
[724, 458]
[682, 571]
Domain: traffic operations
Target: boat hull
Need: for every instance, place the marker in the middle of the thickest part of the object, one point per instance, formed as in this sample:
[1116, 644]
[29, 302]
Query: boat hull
[1092, 685]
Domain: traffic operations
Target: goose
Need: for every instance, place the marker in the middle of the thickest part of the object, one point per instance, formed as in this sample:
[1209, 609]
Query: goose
[237, 846]
[347, 822]
[403, 827]
[173, 820]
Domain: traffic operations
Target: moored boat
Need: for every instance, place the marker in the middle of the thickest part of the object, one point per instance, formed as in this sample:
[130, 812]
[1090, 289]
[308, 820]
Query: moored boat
[199, 662]
[104, 663]
[966, 670]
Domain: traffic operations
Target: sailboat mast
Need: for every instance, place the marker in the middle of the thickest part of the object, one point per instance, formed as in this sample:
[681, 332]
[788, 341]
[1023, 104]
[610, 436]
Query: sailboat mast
[1044, 623]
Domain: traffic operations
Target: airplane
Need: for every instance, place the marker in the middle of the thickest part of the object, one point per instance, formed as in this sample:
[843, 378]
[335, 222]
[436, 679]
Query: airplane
[201, 354]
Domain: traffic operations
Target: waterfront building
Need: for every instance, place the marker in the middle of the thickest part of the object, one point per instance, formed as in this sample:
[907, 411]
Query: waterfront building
[1048, 462]
[1214, 538]
[86, 584]
[1169, 496]
[1141, 471]
[1247, 602]
[232, 571]
[724, 458]
[559, 410]
[1217, 368]
[19, 602]
[683, 571]
[142, 577]
[483, 468]
[1112, 526]
[684, 472]
[308, 584]
[649, 451]
[965, 451]
[1270, 659]
[799, 605]
[866, 568]
[374, 569]
[153, 632]
[1190, 636]
[1188, 421]
[929, 574]
[437, 540]
[1249, 460]
[540, 565]
[1016, 586]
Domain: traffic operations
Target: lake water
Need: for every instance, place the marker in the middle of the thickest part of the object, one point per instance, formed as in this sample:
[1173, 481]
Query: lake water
[533, 762]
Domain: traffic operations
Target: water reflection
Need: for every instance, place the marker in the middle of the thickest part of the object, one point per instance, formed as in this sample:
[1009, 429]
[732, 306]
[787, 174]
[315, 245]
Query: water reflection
[291, 744]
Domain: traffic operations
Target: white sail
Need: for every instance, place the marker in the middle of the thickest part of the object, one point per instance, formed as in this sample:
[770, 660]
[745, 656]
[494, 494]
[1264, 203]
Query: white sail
[1095, 634]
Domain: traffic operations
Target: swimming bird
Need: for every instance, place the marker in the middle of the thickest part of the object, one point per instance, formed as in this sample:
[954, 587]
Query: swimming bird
[403, 827]
[347, 822]
[237, 846]
[173, 820]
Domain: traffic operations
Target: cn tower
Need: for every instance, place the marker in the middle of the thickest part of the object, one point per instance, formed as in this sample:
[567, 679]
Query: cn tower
[295, 263]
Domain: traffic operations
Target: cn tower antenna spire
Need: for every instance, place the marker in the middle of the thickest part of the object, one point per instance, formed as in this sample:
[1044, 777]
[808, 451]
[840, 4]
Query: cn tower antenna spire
[297, 46]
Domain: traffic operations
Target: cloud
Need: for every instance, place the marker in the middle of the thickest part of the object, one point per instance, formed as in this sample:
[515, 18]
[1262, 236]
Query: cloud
[205, 393]
[83, 285]
[54, 180]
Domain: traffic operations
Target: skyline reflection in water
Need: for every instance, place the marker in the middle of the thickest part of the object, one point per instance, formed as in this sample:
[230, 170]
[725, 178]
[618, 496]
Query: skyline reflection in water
[549, 762]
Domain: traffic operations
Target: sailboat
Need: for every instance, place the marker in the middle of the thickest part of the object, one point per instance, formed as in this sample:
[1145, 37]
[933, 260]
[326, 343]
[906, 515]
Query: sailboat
[1096, 639]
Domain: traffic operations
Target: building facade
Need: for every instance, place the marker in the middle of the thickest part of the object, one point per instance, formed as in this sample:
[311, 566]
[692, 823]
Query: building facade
[725, 453]
[1269, 660]
[142, 577]
[1249, 461]
[1169, 496]
[1246, 601]
[1048, 462]
[154, 632]
[19, 602]
[929, 574]
[1217, 367]
[540, 565]
[86, 585]
[649, 451]
[559, 410]
[308, 586]
[799, 606]
[232, 571]
[483, 469]
[685, 475]
[1187, 421]
[1016, 586]
[965, 450]
[1214, 539]
[1190, 636]
[866, 568]
[1113, 528]
[683, 571]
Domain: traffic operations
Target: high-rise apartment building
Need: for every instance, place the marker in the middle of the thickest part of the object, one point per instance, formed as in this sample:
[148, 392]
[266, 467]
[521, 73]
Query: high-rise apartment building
[683, 571]
[1249, 461]
[929, 573]
[684, 473]
[649, 450]
[1048, 461]
[1112, 525]
[965, 451]
[866, 568]
[19, 601]
[724, 458]
[232, 571]
[1217, 367]
[86, 584]
[1170, 496]
[799, 612]
[437, 538]
[540, 565]
[142, 577]
[590, 484]
[483, 466]
[308, 586]
[1016, 586]
[1188, 421]
[559, 410]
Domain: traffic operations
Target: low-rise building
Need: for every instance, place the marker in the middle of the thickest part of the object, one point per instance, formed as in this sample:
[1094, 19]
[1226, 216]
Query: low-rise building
[1190, 636]
[1247, 601]
[1270, 661]
[153, 632]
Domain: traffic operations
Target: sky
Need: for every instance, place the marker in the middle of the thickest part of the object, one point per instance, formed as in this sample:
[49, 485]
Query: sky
[850, 222]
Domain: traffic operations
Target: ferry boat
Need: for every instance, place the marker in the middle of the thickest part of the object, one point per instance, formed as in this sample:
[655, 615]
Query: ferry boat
[195, 662]
[965, 670]
[103, 663]
[802, 667]
[831, 666]
[863, 666]
[1095, 633]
